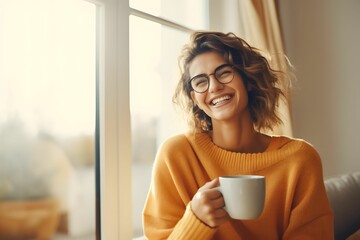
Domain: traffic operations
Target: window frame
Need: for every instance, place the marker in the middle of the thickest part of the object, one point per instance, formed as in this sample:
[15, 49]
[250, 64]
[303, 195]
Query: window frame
[114, 160]
[113, 125]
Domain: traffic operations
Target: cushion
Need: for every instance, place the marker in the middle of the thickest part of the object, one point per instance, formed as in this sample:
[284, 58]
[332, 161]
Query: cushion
[344, 196]
[354, 236]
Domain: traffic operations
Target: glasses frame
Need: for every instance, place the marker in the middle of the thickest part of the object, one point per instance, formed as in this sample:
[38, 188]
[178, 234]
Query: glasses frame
[207, 76]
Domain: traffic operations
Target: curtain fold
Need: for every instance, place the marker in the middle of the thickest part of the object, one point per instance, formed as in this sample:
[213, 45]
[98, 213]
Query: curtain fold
[256, 21]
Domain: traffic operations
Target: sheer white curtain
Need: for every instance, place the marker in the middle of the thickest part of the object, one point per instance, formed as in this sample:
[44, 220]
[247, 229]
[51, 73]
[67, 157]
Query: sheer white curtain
[257, 22]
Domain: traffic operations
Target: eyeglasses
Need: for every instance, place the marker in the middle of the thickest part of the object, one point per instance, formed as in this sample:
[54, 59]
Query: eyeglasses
[223, 74]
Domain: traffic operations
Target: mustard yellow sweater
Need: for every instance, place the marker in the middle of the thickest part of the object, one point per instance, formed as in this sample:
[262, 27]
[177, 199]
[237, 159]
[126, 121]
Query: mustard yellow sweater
[296, 205]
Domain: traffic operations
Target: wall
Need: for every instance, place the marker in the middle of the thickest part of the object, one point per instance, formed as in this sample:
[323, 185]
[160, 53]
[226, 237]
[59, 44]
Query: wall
[322, 39]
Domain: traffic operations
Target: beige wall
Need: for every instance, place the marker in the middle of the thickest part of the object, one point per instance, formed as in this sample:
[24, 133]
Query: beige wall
[322, 39]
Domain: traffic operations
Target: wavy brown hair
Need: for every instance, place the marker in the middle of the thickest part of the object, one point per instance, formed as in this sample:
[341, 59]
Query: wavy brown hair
[254, 69]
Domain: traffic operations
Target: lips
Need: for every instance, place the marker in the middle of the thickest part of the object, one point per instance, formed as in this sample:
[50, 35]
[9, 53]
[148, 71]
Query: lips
[218, 100]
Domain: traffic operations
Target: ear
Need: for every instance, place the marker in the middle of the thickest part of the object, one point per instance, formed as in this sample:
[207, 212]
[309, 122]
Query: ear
[194, 98]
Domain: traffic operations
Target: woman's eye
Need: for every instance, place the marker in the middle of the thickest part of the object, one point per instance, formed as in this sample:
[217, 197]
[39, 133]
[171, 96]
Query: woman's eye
[201, 81]
[223, 73]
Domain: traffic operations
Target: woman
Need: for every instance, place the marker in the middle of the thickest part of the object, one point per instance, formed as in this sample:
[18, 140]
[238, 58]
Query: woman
[231, 94]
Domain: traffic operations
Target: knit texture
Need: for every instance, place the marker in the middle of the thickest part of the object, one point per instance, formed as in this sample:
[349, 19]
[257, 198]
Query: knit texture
[296, 205]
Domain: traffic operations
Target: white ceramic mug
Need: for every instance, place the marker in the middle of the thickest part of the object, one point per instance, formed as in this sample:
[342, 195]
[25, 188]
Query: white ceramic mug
[244, 195]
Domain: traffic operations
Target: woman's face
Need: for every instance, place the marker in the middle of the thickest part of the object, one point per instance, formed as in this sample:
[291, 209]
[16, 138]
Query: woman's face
[221, 102]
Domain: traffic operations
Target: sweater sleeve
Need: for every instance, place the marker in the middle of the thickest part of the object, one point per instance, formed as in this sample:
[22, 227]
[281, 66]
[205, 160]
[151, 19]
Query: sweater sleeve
[311, 216]
[167, 213]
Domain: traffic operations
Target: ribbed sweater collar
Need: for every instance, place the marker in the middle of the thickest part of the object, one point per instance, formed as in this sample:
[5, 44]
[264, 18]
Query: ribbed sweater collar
[206, 149]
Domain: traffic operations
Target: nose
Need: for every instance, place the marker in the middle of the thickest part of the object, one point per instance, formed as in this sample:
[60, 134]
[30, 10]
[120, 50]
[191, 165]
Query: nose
[214, 84]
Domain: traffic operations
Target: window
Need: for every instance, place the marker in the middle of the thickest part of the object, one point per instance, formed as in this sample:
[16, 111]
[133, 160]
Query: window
[155, 44]
[52, 54]
[186, 13]
[153, 75]
[47, 118]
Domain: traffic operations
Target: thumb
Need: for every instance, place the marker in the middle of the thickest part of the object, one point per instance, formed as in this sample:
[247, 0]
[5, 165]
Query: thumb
[213, 183]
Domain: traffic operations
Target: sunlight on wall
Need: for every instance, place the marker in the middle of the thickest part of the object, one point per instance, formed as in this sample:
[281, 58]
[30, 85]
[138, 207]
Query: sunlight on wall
[39, 83]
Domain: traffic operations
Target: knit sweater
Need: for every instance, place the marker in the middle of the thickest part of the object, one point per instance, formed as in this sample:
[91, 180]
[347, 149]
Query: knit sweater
[296, 205]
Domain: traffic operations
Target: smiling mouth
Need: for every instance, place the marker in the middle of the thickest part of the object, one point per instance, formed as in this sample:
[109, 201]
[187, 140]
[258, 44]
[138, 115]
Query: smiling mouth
[219, 100]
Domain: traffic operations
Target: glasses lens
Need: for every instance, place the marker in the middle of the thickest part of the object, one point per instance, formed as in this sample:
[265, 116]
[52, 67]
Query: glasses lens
[224, 74]
[200, 83]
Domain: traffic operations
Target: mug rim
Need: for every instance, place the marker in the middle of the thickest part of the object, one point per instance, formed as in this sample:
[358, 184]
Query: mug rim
[242, 176]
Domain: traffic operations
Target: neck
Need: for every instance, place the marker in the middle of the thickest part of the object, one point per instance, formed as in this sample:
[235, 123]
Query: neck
[239, 136]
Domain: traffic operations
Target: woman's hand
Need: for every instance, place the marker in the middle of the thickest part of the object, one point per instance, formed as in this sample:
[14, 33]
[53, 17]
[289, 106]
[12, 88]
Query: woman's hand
[208, 203]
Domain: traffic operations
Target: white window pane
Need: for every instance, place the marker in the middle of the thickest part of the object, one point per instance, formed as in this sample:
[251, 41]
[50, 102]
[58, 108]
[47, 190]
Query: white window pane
[47, 117]
[192, 14]
[154, 50]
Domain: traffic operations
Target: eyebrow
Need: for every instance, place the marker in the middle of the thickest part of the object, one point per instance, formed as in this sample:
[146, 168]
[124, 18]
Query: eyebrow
[217, 68]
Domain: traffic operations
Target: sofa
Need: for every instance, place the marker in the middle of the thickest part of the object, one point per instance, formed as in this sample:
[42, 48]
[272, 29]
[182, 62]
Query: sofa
[344, 196]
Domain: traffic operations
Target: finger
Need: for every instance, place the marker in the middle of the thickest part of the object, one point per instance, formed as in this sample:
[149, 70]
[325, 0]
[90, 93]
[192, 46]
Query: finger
[221, 214]
[224, 218]
[211, 184]
[217, 218]
[209, 194]
[214, 194]
[214, 183]
[218, 202]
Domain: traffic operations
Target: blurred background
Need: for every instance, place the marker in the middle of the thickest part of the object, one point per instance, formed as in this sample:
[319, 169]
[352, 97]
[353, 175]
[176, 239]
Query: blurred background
[321, 39]
[48, 75]
[47, 119]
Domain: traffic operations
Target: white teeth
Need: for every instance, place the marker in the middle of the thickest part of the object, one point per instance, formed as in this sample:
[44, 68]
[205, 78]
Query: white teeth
[220, 99]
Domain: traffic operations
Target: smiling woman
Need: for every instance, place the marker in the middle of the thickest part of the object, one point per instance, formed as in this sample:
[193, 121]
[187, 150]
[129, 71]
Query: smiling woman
[184, 201]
